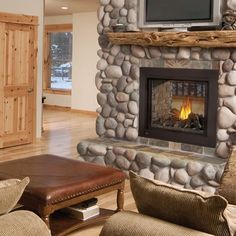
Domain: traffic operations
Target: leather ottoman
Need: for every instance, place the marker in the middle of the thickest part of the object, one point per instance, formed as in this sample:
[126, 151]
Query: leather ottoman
[57, 182]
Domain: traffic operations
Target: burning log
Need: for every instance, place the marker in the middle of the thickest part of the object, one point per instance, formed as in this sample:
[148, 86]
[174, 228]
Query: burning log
[194, 121]
[183, 119]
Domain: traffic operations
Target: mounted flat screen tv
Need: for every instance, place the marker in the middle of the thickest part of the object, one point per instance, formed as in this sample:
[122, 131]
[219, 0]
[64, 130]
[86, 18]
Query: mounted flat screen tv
[179, 13]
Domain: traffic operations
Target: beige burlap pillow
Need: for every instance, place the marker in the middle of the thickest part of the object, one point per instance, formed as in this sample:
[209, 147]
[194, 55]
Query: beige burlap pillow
[227, 187]
[10, 193]
[203, 212]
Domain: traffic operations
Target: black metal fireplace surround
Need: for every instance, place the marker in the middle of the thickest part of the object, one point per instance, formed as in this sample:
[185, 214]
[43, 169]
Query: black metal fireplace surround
[204, 82]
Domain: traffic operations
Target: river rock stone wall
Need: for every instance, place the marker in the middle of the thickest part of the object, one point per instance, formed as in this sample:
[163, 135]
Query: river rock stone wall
[118, 78]
[112, 12]
[167, 167]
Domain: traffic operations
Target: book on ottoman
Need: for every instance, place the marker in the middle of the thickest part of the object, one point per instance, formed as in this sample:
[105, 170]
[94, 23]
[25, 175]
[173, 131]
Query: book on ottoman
[83, 213]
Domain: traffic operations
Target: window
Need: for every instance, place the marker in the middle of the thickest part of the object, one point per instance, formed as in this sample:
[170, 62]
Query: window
[58, 58]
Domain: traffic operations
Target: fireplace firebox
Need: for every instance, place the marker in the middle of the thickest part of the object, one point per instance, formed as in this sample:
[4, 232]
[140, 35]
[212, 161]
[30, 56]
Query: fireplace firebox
[179, 105]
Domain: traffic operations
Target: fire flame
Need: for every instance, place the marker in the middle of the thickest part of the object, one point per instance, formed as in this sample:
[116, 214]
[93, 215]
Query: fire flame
[185, 109]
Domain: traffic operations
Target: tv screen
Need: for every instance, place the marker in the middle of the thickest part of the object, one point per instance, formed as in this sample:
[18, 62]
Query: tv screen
[178, 10]
[179, 13]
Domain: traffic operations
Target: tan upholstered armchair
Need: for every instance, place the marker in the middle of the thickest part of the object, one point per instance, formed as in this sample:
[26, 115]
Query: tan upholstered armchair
[18, 222]
[165, 210]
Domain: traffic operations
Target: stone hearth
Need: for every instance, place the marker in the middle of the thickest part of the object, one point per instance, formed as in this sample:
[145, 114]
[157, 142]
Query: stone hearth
[184, 169]
[118, 83]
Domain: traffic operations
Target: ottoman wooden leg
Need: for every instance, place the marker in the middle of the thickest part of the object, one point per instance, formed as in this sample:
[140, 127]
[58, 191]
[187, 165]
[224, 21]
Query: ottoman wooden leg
[120, 199]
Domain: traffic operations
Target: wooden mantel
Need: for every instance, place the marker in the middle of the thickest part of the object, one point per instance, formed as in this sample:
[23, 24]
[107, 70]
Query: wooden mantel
[204, 39]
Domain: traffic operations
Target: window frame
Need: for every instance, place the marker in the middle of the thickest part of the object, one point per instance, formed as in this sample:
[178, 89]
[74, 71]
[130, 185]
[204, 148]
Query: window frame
[46, 62]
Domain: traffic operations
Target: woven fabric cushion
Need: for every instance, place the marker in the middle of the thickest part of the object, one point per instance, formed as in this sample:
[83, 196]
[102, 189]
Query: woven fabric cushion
[200, 211]
[10, 193]
[22, 223]
[126, 223]
[230, 214]
[227, 187]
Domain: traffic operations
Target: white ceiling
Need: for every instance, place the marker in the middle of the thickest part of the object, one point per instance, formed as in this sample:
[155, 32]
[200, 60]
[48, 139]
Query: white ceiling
[53, 7]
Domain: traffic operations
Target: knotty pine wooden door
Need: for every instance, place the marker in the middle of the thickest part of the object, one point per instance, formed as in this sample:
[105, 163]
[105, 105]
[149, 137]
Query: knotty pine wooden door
[18, 49]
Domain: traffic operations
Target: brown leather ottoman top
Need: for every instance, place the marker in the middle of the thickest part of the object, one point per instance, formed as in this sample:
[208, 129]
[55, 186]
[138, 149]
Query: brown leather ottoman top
[54, 179]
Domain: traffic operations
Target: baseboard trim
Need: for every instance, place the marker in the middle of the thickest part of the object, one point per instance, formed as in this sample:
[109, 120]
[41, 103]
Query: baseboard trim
[56, 107]
[85, 112]
[60, 108]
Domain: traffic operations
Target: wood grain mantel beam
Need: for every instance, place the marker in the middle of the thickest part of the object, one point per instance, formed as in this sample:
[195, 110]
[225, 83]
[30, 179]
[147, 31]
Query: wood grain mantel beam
[204, 39]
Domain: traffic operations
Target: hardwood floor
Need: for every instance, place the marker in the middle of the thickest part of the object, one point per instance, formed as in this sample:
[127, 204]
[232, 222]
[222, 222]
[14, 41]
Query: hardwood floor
[62, 132]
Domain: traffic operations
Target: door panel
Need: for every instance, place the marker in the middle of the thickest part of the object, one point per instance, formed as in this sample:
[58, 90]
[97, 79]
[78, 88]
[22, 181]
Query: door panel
[21, 113]
[17, 89]
[8, 115]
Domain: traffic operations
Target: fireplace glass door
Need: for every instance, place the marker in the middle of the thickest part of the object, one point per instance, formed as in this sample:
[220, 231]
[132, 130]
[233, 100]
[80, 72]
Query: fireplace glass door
[179, 105]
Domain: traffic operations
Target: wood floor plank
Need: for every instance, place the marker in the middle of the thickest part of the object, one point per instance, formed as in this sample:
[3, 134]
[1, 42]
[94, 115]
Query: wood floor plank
[63, 130]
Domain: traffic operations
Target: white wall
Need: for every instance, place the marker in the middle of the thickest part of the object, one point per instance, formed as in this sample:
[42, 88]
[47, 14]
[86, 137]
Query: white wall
[52, 20]
[55, 99]
[85, 46]
[35, 8]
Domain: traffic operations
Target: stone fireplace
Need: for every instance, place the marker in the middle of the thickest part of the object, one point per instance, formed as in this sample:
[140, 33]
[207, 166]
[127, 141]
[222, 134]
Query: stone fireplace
[193, 150]
[119, 96]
